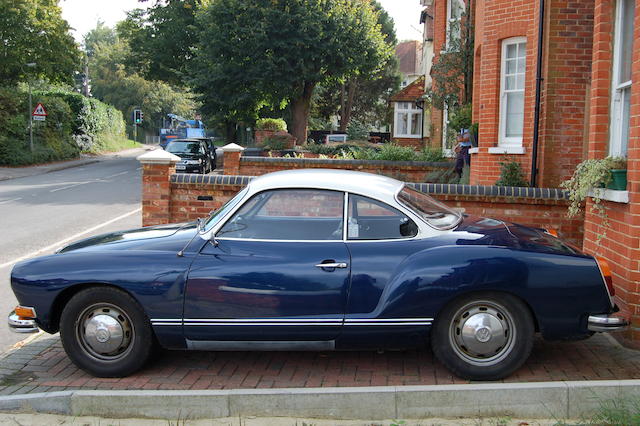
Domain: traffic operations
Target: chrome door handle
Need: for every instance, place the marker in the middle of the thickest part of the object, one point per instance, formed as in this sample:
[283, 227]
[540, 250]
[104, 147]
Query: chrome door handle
[341, 265]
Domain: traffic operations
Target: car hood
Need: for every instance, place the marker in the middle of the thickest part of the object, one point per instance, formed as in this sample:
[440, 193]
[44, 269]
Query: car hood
[475, 230]
[186, 156]
[163, 238]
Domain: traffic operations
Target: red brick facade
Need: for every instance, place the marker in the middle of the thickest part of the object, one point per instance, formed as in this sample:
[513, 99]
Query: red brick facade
[566, 71]
[621, 245]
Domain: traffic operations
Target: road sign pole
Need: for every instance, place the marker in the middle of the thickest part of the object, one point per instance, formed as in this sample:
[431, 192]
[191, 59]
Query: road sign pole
[30, 119]
[135, 132]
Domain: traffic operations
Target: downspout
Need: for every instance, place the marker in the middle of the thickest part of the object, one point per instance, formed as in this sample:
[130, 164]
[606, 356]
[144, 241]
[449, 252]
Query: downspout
[539, 79]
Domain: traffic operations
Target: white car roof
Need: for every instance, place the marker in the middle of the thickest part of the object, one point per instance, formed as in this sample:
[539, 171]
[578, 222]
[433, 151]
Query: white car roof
[367, 184]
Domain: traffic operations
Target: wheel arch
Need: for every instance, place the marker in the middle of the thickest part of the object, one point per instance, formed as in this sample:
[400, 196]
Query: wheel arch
[480, 292]
[65, 295]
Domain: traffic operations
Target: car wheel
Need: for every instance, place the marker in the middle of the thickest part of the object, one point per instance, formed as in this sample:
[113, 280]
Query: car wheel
[105, 332]
[483, 337]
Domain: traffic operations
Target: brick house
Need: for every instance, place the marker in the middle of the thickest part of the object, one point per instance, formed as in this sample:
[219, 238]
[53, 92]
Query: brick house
[408, 118]
[614, 129]
[553, 86]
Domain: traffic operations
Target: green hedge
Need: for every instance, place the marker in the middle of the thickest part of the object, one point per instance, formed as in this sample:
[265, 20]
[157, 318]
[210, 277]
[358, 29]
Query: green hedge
[74, 124]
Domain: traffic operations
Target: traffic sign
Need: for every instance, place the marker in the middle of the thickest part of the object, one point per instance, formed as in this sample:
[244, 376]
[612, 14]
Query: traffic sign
[39, 111]
[39, 117]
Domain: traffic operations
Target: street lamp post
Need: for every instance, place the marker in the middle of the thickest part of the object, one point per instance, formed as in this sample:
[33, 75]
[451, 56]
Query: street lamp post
[30, 65]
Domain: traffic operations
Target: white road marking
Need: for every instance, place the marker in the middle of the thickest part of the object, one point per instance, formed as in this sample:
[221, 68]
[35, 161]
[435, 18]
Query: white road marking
[8, 201]
[69, 239]
[70, 186]
[117, 174]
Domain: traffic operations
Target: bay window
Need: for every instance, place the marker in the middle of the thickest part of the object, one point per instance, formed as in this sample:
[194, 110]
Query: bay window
[512, 78]
[621, 78]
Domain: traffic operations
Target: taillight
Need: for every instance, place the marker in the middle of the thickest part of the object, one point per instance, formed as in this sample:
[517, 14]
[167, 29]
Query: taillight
[552, 231]
[606, 274]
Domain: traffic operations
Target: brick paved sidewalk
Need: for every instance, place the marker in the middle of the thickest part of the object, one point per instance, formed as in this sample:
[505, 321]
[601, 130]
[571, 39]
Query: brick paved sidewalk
[42, 366]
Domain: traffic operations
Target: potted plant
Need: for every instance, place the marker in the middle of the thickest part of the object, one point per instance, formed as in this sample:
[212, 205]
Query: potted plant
[589, 177]
[618, 172]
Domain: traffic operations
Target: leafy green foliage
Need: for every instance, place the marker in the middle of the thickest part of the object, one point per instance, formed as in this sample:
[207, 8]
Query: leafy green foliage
[364, 98]
[511, 174]
[276, 143]
[161, 39]
[386, 152]
[34, 31]
[452, 73]
[621, 411]
[112, 83]
[74, 124]
[275, 52]
[275, 124]
[460, 118]
[357, 131]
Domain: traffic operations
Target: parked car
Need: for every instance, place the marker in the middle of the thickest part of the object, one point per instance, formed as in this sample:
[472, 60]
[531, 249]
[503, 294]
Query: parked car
[195, 153]
[318, 260]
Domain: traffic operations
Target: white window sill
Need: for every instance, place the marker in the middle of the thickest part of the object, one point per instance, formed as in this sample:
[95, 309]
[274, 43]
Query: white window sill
[610, 195]
[407, 136]
[474, 150]
[517, 150]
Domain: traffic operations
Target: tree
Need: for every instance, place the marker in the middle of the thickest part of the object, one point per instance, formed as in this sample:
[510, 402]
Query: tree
[113, 84]
[275, 52]
[162, 39]
[34, 31]
[364, 98]
[452, 73]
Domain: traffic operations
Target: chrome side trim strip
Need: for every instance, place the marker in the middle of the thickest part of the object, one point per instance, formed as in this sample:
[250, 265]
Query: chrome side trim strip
[310, 322]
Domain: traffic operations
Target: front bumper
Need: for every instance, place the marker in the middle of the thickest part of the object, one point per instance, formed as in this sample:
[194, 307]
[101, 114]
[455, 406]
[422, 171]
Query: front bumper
[607, 322]
[21, 325]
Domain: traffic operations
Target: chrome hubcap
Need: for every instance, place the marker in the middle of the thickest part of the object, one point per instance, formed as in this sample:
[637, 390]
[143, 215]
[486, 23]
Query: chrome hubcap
[482, 333]
[105, 332]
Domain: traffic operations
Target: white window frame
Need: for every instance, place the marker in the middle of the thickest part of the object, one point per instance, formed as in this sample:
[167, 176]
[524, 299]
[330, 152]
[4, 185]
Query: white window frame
[620, 90]
[410, 111]
[451, 19]
[503, 140]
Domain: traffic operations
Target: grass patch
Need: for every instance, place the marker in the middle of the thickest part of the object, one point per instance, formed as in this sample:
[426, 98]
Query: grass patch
[114, 144]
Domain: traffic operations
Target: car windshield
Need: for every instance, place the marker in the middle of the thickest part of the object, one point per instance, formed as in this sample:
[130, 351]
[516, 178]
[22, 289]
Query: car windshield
[183, 147]
[222, 211]
[433, 212]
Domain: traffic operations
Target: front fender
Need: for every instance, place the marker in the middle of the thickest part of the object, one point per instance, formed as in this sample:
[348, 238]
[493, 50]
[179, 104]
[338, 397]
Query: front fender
[155, 279]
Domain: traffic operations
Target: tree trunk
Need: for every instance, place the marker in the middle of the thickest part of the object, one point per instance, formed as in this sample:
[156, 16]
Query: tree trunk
[300, 108]
[347, 104]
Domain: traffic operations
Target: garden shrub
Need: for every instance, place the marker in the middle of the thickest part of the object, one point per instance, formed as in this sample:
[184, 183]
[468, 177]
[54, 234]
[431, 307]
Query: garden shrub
[357, 131]
[511, 174]
[276, 143]
[275, 124]
[74, 124]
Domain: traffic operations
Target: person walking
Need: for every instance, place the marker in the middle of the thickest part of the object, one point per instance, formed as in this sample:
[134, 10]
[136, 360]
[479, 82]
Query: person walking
[463, 158]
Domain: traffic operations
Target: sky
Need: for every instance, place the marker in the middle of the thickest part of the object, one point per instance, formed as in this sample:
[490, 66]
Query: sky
[82, 15]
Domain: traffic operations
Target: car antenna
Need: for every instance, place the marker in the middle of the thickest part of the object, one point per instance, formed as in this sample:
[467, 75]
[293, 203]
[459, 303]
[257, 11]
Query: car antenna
[198, 225]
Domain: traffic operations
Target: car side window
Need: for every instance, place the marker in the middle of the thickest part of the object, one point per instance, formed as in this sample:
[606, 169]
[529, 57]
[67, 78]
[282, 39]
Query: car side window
[374, 220]
[288, 214]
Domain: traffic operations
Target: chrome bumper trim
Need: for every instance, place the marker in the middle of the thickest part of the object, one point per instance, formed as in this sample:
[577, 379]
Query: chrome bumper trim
[18, 325]
[605, 322]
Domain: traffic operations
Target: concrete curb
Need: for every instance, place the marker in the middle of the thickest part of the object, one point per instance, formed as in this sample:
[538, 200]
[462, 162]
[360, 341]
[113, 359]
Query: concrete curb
[561, 400]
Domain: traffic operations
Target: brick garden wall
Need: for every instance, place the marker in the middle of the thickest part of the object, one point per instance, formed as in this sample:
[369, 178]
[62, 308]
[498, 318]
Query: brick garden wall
[191, 196]
[621, 245]
[409, 171]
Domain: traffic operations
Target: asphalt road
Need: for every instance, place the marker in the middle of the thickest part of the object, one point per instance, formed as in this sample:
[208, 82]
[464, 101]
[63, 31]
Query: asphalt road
[40, 213]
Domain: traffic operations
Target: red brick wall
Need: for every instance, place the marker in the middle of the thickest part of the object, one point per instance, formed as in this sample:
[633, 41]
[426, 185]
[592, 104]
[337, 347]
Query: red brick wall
[621, 245]
[406, 171]
[416, 144]
[567, 55]
[502, 19]
[187, 197]
[567, 73]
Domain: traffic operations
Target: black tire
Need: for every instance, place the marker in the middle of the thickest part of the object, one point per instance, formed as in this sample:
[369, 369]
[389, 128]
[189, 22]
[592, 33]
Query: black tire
[105, 332]
[484, 336]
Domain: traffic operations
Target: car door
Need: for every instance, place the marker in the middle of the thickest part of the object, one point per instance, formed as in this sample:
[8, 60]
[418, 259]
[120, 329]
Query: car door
[264, 279]
[379, 239]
